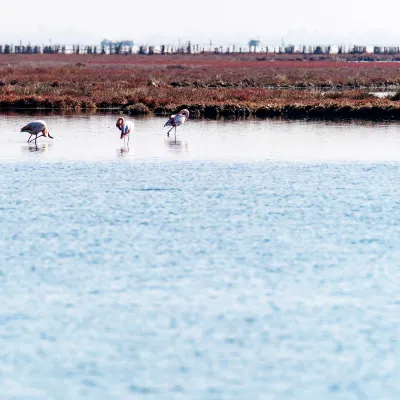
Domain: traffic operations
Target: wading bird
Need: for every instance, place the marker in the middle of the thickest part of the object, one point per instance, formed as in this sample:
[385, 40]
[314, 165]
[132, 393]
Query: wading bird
[126, 128]
[177, 120]
[36, 128]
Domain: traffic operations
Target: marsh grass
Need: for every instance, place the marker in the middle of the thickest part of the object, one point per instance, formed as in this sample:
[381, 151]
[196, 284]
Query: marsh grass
[142, 84]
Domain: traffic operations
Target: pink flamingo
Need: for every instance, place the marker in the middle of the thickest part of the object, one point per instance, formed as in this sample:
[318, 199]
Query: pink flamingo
[35, 128]
[126, 127]
[177, 120]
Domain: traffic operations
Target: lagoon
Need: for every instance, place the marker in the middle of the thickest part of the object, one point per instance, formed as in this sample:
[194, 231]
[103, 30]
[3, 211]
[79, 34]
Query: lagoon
[247, 260]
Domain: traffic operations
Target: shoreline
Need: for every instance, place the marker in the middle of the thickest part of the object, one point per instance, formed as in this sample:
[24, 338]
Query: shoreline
[370, 110]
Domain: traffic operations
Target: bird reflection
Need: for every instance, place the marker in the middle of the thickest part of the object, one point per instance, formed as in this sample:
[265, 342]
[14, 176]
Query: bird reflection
[32, 148]
[177, 145]
[123, 151]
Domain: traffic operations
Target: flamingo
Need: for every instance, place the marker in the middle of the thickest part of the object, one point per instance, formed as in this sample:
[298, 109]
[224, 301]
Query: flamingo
[36, 127]
[177, 120]
[126, 127]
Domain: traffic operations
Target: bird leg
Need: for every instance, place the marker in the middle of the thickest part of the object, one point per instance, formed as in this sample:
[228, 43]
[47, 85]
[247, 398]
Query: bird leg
[170, 131]
[29, 138]
[36, 138]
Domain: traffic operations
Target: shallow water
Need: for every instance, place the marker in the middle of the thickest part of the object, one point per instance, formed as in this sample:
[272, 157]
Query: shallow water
[256, 260]
[384, 94]
[95, 138]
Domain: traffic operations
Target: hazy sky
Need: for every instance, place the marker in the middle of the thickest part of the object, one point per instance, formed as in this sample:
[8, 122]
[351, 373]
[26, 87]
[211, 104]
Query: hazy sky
[222, 21]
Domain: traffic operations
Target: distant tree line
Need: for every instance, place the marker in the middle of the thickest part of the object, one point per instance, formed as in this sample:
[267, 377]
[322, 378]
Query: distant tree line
[28, 49]
[126, 48]
[386, 50]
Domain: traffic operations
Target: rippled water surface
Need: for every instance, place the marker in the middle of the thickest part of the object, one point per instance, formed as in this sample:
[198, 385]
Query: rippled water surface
[248, 260]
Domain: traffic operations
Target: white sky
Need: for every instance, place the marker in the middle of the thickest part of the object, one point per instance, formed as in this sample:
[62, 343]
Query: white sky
[222, 21]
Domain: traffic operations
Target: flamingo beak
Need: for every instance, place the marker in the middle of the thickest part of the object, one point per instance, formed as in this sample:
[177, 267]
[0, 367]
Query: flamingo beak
[51, 137]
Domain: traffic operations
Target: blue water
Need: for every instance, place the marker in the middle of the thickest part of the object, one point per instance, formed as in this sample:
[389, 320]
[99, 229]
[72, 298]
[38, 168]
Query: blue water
[199, 280]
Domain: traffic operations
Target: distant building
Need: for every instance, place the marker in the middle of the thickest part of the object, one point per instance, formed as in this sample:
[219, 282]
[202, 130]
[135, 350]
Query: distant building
[253, 44]
[107, 42]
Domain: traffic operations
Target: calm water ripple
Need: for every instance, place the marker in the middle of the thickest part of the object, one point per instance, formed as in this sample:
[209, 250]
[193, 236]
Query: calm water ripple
[246, 260]
[199, 280]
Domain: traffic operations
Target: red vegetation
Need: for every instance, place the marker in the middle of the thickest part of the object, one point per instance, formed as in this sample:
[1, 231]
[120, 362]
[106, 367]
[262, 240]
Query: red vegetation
[209, 84]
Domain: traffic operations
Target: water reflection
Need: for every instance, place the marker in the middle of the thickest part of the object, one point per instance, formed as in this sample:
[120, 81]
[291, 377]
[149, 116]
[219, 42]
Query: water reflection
[177, 145]
[80, 138]
[123, 152]
[32, 148]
